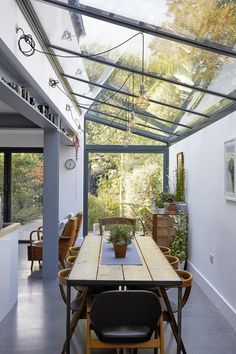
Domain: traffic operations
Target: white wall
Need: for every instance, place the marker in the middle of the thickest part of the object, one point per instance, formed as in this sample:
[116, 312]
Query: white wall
[212, 227]
[71, 182]
[39, 67]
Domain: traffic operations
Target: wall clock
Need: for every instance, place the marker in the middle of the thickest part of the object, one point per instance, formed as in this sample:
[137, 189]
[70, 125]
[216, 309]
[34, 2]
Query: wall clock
[70, 164]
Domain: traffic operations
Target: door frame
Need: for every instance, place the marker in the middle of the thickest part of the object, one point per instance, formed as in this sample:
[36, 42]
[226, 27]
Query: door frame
[7, 182]
[121, 149]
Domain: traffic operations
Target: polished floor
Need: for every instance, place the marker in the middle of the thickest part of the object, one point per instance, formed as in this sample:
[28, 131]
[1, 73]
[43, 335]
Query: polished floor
[36, 325]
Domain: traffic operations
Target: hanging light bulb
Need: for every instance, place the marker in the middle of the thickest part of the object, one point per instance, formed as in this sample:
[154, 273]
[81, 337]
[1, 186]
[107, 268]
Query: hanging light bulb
[127, 137]
[131, 120]
[143, 101]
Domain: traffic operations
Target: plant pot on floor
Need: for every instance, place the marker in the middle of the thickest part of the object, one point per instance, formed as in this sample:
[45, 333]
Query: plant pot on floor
[120, 250]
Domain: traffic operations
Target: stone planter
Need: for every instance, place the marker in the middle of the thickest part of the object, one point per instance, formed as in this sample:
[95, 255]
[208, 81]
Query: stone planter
[120, 250]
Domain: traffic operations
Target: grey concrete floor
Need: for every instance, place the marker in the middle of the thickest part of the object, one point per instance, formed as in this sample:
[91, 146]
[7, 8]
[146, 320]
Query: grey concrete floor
[36, 325]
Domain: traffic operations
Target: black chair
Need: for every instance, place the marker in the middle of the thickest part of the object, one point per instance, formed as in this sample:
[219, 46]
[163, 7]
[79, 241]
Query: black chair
[125, 319]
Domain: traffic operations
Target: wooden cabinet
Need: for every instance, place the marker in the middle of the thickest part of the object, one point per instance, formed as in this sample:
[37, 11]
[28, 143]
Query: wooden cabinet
[160, 227]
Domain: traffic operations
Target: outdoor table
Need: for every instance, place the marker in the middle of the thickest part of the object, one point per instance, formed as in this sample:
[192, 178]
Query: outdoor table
[155, 270]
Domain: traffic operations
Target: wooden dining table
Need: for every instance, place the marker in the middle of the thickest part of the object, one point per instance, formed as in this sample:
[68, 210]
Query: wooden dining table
[154, 271]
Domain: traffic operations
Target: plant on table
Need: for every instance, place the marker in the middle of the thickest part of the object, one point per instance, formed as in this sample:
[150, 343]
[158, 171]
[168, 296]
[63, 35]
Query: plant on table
[120, 236]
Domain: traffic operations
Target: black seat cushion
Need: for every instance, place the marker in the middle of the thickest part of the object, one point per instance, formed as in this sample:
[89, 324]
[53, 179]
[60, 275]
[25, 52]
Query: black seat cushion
[125, 334]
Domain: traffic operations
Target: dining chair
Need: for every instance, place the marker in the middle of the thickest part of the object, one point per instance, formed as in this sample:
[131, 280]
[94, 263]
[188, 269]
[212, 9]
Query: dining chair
[165, 250]
[65, 241]
[70, 261]
[74, 251]
[125, 319]
[169, 308]
[117, 220]
[77, 306]
[173, 260]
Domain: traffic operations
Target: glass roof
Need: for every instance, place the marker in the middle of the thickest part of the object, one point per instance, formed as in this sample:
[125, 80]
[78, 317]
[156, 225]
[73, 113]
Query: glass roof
[182, 51]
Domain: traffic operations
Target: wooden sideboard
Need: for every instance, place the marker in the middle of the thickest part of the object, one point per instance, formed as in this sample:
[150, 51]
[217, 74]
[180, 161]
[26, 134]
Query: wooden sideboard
[160, 227]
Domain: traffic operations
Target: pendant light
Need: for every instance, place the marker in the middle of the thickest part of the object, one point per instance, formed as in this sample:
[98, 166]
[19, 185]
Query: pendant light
[143, 101]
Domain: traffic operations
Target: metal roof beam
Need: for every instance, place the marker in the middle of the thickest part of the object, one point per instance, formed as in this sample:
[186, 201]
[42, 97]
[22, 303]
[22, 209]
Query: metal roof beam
[214, 117]
[141, 26]
[138, 124]
[123, 127]
[119, 65]
[149, 115]
[112, 88]
[125, 120]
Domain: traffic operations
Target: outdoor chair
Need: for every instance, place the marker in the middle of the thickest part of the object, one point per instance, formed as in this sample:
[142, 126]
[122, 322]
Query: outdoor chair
[77, 306]
[168, 314]
[117, 220]
[66, 240]
[125, 319]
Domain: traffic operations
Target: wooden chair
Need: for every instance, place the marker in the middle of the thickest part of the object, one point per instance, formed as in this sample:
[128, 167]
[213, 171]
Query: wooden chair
[74, 251]
[66, 240]
[170, 307]
[125, 319]
[174, 261]
[35, 249]
[69, 261]
[77, 306]
[117, 220]
[79, 217]
[165, 250]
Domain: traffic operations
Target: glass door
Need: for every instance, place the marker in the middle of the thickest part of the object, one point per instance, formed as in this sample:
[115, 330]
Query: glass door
[27, 191]
[1, 187]
[120, 184]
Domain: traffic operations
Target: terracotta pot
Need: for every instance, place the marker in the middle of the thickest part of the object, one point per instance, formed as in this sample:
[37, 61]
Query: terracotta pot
[120, 250]
[171, 209]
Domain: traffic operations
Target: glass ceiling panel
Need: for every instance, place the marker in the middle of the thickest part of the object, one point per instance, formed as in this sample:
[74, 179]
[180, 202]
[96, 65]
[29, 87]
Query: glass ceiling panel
[169, 59]
[103, 135]
[173, 61]
[211, 20]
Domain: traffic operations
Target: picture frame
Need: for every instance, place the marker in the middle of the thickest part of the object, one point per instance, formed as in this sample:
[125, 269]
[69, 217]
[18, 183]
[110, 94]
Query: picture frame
[180, 159]
[229, 169]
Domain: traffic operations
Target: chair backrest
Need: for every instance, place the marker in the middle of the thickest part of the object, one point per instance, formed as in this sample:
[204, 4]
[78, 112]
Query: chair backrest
[165, 250]
[119, 308]
[62, 280]
[79, 217]
[74, 251]
[186, 278]
[69, 261]
[117, 220]
[67, 239]
[174, 261]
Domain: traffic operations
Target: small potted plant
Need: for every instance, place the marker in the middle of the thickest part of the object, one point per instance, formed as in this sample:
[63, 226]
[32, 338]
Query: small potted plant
[160, 206]
[120, 236]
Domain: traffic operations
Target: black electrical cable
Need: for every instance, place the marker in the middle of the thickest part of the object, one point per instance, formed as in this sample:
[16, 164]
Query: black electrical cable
[30, 41]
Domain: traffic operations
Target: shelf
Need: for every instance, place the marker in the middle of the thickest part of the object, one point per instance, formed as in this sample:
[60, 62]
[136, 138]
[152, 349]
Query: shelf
[20, 105]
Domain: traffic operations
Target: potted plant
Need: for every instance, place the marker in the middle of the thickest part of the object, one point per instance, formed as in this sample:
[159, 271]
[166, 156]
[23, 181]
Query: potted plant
[168, 201]
[120, 236]
[160, 206]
